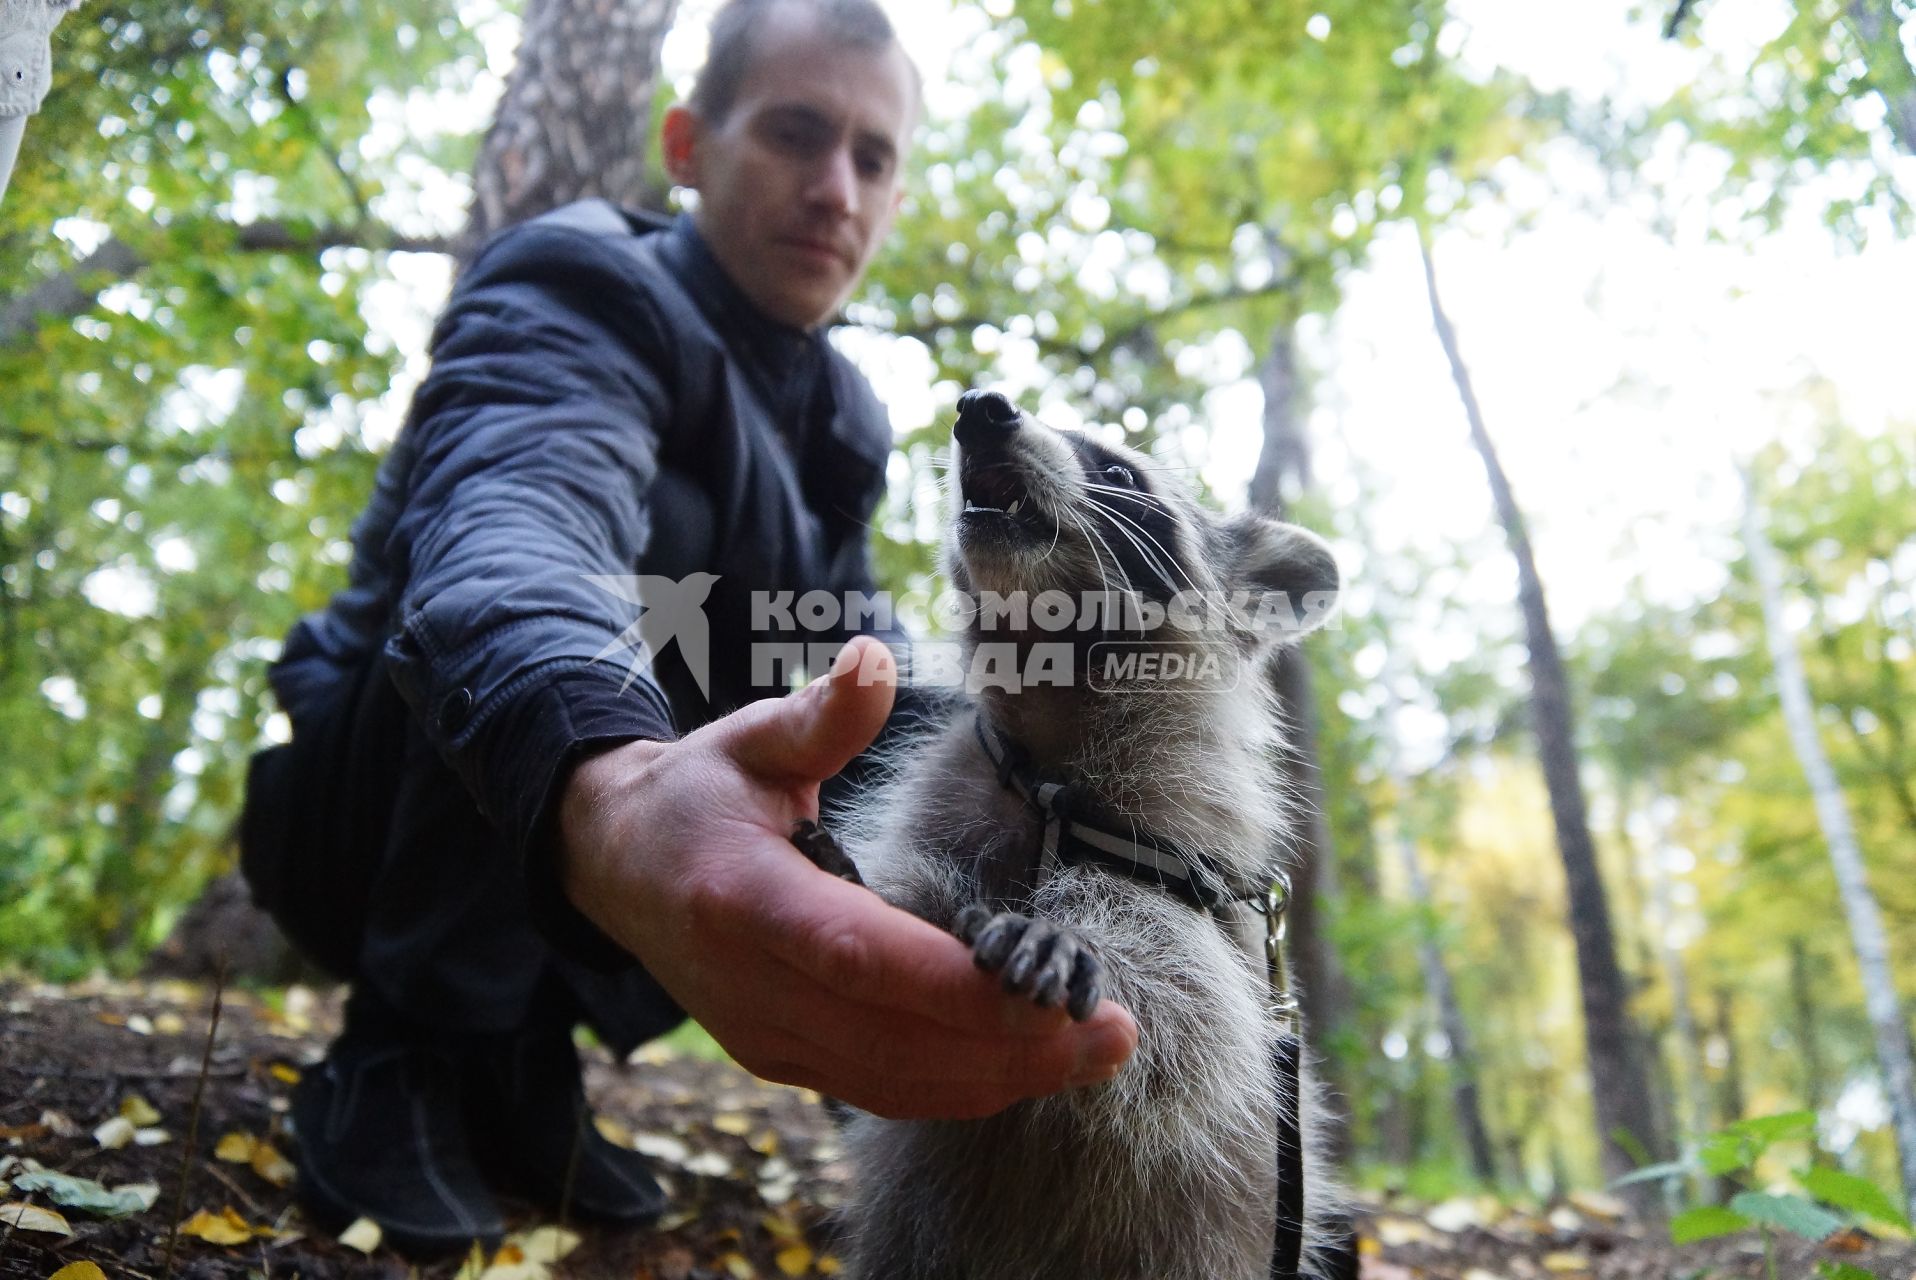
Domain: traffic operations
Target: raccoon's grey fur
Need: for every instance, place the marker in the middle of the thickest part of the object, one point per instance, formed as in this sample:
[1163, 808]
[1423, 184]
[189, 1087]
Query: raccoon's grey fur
[1168, 1171]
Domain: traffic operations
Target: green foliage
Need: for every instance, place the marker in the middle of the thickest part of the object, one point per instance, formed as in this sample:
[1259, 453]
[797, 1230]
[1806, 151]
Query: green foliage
[1832, 1198]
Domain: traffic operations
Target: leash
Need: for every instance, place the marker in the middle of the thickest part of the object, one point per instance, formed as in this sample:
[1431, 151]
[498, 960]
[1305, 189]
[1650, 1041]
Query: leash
[1072, 836]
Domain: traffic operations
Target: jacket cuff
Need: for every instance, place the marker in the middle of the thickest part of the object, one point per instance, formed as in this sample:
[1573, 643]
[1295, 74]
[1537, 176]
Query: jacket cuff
[539, 738]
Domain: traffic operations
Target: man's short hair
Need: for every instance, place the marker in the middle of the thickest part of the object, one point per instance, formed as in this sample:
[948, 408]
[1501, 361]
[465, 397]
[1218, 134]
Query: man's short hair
[861, 24]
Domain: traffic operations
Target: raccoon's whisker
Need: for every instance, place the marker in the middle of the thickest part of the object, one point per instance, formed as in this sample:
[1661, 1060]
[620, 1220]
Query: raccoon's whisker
[1135, 495]
[1091, 532]
[1168, 567]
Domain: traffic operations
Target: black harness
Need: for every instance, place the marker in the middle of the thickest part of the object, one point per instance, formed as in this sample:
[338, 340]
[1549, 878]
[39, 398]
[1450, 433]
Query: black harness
[1072, 838]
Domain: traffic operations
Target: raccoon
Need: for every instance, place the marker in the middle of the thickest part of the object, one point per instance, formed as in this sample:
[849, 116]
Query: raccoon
[1164, 729]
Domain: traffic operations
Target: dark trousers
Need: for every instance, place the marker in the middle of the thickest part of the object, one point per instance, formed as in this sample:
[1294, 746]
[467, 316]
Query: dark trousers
[372, 857]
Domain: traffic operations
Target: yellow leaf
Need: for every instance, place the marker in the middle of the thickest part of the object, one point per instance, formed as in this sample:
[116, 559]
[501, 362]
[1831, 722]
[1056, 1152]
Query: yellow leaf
[736, 1125]
[829, 1266]
[236, 1148]
[272, 1166]
[169, 1024]
[1565, 1261]
[139, 1111]
[362, 1235]
[79, 1271]
[283, 1073]
[114, 1134]
[612, 1131]
[782, 1229]
[31, 1217]
[794, 1261]
[739, 1265]
[547, 1244]
[474, 1266]
[227, 1228]
[765, 1143]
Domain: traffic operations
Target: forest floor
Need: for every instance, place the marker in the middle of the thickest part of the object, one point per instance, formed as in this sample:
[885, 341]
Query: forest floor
[99, 1081]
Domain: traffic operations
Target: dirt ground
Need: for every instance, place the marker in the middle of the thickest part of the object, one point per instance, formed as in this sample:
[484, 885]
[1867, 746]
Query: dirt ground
[99, 1082]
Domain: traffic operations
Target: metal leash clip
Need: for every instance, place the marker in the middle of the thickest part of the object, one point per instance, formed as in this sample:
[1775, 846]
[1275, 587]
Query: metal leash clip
[1277, 902]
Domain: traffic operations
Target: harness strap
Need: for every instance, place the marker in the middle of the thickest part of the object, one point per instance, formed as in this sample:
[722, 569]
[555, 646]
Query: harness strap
[1288, 1247]
[1071, 837]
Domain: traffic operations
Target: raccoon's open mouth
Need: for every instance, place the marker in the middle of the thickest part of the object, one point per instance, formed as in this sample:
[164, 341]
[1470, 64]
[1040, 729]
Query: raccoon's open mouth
[996, 489]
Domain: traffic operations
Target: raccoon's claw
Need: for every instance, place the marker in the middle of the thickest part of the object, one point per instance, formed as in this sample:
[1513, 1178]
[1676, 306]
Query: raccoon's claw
[816, 843]
[1034, 958]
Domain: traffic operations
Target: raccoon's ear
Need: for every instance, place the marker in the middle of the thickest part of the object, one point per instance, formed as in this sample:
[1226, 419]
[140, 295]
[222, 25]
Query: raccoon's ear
[1289, 572]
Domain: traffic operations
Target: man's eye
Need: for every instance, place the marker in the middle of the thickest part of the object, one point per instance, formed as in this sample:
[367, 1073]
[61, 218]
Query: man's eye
[1118, 473]
[872, 166]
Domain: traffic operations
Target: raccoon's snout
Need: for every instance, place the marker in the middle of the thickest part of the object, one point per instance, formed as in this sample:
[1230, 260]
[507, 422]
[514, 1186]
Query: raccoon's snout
[985, 418]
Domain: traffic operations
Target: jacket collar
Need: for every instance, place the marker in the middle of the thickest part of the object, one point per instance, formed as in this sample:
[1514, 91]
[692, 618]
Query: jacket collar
[784, 363]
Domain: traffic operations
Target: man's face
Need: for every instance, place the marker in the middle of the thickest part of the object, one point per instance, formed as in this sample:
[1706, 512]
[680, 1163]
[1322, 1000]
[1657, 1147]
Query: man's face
[798, 184]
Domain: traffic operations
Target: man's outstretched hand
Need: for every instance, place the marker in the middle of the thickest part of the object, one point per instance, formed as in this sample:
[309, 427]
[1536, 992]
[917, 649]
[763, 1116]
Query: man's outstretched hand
[679, 852]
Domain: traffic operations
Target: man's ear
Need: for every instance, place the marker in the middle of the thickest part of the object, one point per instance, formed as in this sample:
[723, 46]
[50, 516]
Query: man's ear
[679, 142]
[1290, 575]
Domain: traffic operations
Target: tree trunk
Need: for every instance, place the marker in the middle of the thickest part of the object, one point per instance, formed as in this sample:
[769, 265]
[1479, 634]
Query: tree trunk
[1879, 26]
[1465, 1095]
[1323, 989]
[1832, 814]
[1619, 1091]
[1809, 1047]
[576, 118]
[1696, 1118]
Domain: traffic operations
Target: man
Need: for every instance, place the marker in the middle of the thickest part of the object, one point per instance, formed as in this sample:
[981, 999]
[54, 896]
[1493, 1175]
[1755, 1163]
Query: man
[610, 399]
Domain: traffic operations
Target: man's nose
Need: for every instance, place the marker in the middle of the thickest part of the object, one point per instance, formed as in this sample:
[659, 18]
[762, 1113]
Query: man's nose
[835, 185]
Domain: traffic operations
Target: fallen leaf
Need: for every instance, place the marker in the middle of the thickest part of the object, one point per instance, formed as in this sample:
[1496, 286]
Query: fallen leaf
[169, 1024]
[225, 1228]
[612, 1131]
[283, 1073]
[22, 1131]
[1455, 1215]
[269, 1164]
[114, 1134]
[1597, 1204]
[1565, 1261]
[151, 1137]
[1395, 1231]
[708, 1163]
[661, 1147]
[235, 1148]
[140, 1025]
[829, 1266]
[736, 1125]
[362, 1235]
[31, 1217]
[137, 1109]
[547, 1244]
[794, 1260]
[79, 1271]
[59, 1125]
[765, 1142]
[739, 1265]
[72, 1192]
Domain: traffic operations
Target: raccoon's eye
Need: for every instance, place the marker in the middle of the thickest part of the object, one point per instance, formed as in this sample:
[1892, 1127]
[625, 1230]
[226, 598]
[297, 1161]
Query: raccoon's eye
[1118, 473]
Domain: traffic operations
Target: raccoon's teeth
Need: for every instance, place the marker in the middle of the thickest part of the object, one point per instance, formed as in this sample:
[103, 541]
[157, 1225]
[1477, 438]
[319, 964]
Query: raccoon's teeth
[1012, 510]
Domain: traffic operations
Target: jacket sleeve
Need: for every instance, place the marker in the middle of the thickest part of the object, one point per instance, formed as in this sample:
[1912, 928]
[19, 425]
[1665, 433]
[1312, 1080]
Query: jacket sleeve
[533, 443]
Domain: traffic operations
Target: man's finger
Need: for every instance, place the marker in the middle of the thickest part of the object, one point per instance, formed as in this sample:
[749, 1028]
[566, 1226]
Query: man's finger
[813, 734]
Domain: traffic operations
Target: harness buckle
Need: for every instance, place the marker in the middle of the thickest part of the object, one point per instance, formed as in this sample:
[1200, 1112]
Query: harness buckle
[1277, 903]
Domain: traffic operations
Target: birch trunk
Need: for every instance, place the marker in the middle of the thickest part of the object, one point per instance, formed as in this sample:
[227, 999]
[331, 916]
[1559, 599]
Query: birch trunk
[1620, 1091]
[1846, 858]
[576, 117]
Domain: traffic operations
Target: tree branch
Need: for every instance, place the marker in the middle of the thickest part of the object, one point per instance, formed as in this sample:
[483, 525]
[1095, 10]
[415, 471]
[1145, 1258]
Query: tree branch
[73, 292]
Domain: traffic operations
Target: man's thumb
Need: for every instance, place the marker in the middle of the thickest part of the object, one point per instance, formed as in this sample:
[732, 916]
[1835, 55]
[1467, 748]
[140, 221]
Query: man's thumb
[811, 735]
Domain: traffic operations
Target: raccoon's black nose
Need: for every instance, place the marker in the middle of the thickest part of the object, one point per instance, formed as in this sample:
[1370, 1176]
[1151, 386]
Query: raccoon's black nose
[984, 418]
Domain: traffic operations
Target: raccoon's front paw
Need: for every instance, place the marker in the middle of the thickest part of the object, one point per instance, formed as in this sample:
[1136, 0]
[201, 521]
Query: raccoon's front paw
[826, 854]
[1037, 958]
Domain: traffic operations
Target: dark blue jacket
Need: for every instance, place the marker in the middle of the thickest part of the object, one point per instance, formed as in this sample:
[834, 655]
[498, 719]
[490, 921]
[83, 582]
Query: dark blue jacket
[602, 400]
